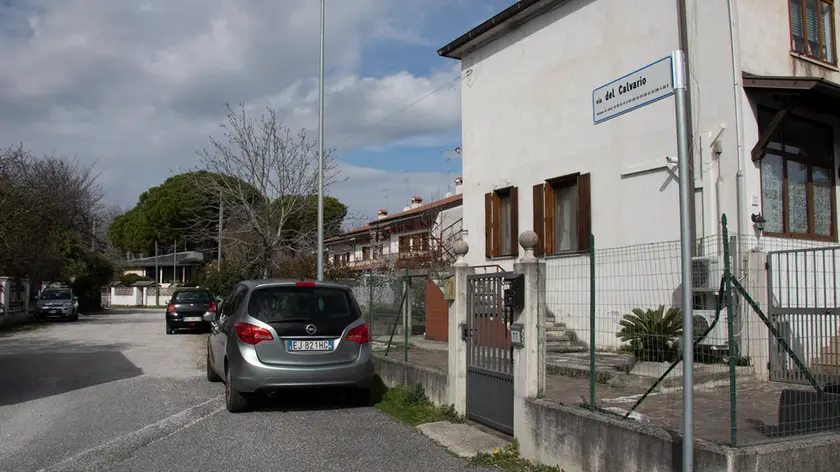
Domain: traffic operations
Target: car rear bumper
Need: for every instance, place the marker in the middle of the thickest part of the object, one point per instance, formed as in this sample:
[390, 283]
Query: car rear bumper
[179, 321]
[250, 375]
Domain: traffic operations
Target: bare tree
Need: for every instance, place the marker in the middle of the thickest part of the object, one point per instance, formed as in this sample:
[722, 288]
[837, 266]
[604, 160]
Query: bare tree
[269, 178]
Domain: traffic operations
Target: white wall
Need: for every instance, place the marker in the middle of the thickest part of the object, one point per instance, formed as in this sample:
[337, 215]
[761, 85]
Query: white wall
[527, 116]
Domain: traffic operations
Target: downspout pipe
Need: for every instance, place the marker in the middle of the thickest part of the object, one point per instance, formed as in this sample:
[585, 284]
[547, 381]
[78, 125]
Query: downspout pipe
[739, 116]
[682, 17]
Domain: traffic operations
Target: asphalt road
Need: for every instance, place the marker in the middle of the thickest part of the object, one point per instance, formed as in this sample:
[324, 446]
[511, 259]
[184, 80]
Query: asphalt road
[113, 392]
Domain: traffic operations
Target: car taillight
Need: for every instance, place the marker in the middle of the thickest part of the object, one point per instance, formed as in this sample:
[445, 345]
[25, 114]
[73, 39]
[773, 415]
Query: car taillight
[305, 284]
[250, 334]
[212, 306]
[170, 308]
[360, 334]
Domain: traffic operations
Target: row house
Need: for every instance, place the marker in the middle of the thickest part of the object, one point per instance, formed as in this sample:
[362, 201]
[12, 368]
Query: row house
[420, 236]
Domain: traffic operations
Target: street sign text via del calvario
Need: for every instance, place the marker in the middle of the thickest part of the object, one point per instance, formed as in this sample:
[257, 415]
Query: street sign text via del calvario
[635, 90]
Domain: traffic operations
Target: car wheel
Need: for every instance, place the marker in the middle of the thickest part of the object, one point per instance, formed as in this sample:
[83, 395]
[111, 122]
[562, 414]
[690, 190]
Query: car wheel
[169, 329]
[212, 376]
[235, 401]
[359, 397]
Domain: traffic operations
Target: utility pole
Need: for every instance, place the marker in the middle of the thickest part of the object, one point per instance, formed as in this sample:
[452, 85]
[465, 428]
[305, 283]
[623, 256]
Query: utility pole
[221, 213]
[686, 238]
[321, 156]
[174, 261]
[157, 274]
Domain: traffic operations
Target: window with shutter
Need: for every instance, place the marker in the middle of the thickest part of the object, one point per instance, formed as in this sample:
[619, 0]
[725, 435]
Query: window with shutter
[562, 214]
[501, 222]
[812, 29]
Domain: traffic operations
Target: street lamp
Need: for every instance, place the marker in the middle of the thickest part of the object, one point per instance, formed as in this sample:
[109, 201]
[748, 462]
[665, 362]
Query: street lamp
[321, 155]
[759, 221]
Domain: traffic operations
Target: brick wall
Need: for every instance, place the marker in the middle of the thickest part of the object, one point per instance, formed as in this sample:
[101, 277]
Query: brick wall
[437, 314]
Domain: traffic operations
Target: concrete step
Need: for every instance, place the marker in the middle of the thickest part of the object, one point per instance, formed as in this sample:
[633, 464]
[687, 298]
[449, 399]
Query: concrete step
[563, 348]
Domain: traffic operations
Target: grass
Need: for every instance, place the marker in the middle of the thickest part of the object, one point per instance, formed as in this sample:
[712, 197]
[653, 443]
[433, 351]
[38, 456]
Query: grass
[508, 459]
[413, 407]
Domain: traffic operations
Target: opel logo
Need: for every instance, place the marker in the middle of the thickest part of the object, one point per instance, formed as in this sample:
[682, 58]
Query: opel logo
[311, 329]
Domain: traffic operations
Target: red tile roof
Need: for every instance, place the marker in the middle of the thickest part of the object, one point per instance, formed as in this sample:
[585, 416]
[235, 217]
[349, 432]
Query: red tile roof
[398, 216]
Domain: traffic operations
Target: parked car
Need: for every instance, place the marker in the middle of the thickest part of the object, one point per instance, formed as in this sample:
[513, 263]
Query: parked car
[187, 307]
[57, 302]
[274, 335]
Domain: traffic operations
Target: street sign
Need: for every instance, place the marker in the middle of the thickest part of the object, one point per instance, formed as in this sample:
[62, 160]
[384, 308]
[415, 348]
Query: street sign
[634, 90]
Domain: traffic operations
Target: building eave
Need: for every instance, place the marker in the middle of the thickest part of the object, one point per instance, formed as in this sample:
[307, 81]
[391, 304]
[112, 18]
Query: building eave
[510, 18]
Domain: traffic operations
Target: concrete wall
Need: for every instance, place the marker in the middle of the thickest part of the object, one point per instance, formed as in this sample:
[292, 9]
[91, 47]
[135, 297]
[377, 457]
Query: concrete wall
[578, 440]
[394, 372]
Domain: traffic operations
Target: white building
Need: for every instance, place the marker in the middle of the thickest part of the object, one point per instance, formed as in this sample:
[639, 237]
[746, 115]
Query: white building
[560, 135]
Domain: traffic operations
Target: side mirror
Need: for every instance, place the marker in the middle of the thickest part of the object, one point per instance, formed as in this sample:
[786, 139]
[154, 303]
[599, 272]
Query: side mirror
[37, 297]
[167, 302]
[209, 317]
[75, 298]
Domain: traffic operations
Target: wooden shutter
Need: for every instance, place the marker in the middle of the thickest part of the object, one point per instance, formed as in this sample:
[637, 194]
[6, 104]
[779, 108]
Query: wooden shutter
[549, 219]
[488, 225]
[584, 212]
[514, 221]
[539, 219]
[497, 224]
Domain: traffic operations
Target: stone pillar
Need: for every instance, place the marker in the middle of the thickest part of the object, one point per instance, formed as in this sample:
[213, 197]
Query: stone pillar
[528, 361]
[756, 335]
[457, 376]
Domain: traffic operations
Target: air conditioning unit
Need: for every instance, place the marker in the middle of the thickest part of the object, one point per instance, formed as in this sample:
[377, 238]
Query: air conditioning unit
[705, 274]
[719, 335]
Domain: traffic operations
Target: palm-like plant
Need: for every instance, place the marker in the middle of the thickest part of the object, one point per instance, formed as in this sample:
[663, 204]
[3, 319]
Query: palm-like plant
[651, 333]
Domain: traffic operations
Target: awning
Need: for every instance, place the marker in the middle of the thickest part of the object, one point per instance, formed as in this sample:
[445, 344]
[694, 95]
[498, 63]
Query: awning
[813, 94]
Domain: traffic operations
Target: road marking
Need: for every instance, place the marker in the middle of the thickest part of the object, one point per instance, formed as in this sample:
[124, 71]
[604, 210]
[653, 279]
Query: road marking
[124, 447]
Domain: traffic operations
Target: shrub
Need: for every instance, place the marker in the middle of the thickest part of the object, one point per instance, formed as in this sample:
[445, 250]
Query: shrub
[652, 333]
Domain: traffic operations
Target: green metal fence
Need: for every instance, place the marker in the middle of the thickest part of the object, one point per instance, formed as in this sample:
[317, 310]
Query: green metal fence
[613, 329]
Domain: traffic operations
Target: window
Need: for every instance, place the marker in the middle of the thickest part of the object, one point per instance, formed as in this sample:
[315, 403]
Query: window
[562, 217]
[404, 244]
[797, 179]
[191, 296]
[501, 223]
[812, 29]
[301, 304]
[366, 253]
[336, 260]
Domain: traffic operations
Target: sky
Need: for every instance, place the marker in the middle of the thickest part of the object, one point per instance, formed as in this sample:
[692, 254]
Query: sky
[138, 87]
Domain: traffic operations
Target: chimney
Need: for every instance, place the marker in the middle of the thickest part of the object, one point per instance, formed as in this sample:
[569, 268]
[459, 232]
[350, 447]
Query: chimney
[416, 202]
[459, 185]
[381, 214]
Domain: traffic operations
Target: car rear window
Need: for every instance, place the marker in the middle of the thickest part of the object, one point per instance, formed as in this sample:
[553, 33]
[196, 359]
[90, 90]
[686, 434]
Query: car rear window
[278, 304]
[192, 297]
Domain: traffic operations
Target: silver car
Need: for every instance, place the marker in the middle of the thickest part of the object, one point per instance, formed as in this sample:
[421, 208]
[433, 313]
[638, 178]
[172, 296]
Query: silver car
[270, 335]
[57, 302]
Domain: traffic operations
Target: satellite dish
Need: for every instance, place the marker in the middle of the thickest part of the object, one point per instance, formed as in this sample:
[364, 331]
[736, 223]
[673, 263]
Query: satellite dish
[458, 150]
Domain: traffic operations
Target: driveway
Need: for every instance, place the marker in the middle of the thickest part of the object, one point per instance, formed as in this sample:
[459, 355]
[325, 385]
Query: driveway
[114, 392]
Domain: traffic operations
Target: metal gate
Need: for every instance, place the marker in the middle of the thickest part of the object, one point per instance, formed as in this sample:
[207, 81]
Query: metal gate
[489, 353]
[804, 307]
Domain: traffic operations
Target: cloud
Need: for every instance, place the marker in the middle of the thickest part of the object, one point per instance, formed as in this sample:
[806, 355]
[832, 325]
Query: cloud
[139, 86]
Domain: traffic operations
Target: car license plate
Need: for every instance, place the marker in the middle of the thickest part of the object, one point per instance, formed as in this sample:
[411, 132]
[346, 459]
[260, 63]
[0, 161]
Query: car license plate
[310, 345]
[192, 318]
[52, 311]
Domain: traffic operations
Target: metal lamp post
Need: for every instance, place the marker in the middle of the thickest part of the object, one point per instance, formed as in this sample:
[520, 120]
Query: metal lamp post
[321, 155]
